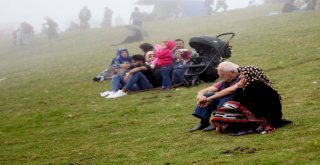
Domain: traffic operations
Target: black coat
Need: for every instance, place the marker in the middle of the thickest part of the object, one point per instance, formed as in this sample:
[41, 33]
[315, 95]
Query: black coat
[262, 101]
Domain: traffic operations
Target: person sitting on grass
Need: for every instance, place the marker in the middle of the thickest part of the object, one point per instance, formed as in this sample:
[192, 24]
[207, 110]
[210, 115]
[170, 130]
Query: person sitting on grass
[179, 45]
[121, 61]
[151, 60]
[180, 65]
[140, 77]
[228, 71]
[258, 101]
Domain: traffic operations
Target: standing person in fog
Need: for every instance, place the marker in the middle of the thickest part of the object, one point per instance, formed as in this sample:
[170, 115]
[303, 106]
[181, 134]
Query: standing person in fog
[23, 35]
[221, 4]
[84, 16]
[136, 17]
[50, 28]
[208, 6]
[107, 17]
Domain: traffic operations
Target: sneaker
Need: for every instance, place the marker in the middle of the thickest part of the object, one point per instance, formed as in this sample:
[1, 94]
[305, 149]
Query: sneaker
[119, 93]
[110, 94]
[105, 94]
[101, 79]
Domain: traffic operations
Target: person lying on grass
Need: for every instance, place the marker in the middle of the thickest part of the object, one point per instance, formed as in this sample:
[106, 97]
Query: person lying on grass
[228, 71]
[140, 77]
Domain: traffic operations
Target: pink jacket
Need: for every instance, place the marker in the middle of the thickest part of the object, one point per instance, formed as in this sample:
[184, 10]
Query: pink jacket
[164, 56]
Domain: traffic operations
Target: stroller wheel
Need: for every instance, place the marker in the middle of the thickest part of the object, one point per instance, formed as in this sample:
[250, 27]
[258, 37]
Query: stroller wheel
[196, 82]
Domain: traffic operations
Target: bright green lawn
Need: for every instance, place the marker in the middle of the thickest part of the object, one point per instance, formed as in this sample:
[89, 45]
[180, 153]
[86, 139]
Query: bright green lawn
[51, 112]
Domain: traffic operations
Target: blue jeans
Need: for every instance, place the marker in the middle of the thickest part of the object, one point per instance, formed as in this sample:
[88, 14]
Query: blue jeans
[136, 82]
[117, 82]
[204, 113]
[166, 79]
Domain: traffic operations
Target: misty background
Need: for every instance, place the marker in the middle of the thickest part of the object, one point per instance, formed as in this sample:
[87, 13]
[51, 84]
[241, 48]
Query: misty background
[66, 11]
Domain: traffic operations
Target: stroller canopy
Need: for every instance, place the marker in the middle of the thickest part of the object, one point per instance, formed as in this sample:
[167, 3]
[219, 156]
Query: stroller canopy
[204, 41]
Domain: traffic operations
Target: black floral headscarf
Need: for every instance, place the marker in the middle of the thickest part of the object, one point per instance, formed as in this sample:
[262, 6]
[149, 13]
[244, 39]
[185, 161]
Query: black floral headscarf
[252, 74]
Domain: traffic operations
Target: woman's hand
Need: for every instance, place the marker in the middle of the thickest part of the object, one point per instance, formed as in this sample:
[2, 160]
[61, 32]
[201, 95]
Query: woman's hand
[242, 82]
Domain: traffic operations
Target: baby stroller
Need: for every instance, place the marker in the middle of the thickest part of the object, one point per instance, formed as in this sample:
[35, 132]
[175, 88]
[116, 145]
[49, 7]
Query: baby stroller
[211, 52]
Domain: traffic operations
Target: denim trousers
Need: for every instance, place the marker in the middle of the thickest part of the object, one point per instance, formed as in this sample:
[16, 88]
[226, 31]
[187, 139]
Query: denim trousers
[166, 78]
[136, 82]
[204, 113]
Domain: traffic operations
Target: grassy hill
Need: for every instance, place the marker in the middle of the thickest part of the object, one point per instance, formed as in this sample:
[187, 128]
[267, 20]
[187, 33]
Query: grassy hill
[51, 112]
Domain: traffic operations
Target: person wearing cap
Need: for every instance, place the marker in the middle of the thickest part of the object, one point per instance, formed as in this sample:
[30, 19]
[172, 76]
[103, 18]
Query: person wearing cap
[228, 71]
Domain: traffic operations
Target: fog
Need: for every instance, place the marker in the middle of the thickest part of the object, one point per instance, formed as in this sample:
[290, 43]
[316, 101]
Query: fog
[66, 11]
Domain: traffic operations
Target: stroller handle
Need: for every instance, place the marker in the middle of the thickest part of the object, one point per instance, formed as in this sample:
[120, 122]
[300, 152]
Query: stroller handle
[232, 35]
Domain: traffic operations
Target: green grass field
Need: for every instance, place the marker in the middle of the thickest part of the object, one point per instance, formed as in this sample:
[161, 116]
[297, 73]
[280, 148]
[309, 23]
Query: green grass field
[51, 111]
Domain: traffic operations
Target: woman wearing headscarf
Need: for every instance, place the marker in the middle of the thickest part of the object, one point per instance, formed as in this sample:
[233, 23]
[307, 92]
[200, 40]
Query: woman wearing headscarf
[122, 58]
[259, 95]
[121, 62]
[258, 104]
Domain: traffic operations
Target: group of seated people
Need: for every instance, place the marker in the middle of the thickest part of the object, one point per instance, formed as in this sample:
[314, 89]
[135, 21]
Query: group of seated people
[243, 102]
[293, 6]
[162, 65]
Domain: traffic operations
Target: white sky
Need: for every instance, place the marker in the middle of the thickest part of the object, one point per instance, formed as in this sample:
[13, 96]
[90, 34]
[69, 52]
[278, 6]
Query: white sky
[65, 11]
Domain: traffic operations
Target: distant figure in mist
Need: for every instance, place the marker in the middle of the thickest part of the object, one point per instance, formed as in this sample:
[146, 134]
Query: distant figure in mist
[208, 6]
[221, 4]
[289, 6]
[50, 28]
[23, 35]
[136, 17]
[107, 17]
[311, 4]
[137, 35]
[84, 17]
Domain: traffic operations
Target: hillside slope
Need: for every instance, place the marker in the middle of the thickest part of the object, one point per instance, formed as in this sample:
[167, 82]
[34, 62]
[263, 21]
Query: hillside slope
[51, 112]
